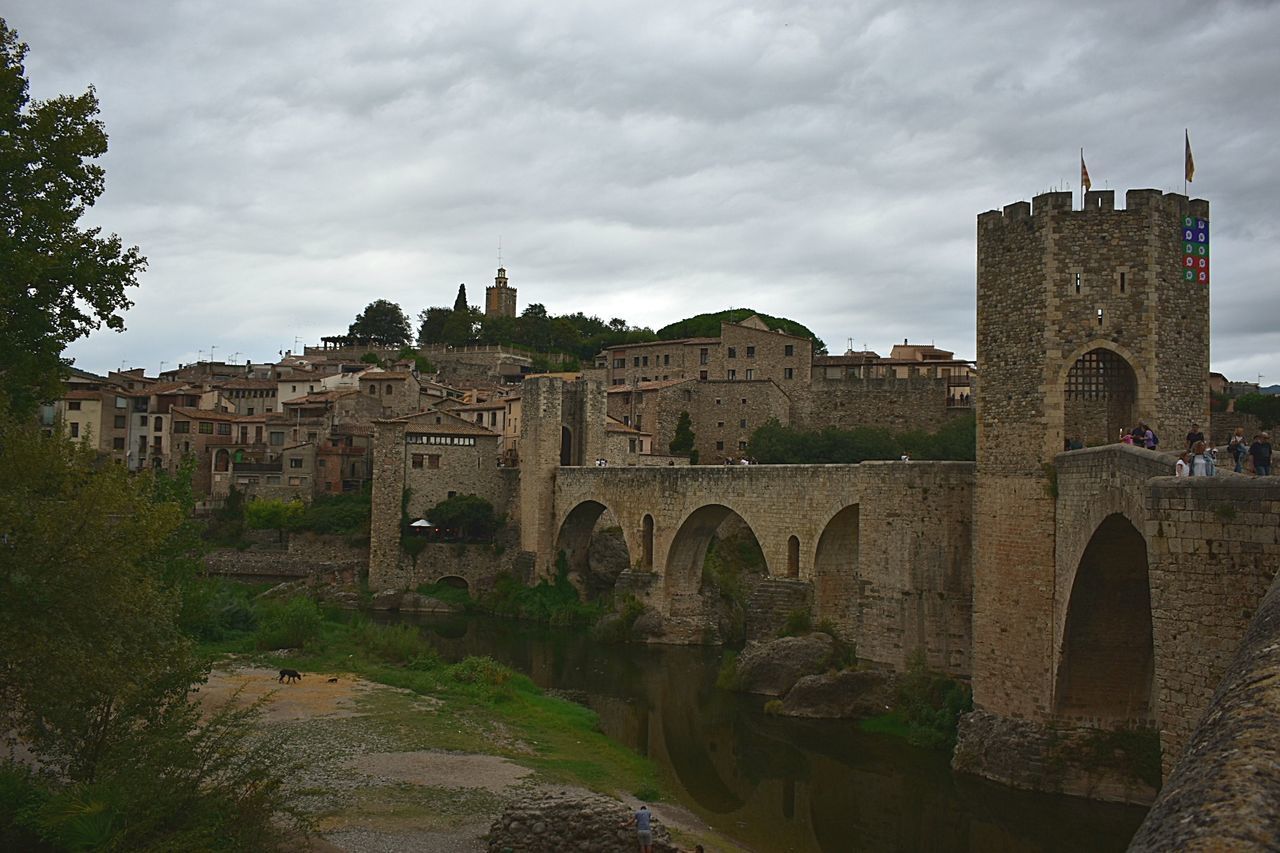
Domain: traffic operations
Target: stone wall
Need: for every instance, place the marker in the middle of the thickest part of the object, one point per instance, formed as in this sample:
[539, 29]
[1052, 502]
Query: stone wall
[1222, 425]
[477, 564]
[1215, 548]
[892, 404]
[1224, 792]
[305, 554]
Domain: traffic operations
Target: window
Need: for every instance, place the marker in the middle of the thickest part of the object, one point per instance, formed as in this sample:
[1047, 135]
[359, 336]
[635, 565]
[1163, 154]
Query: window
[733, 352]
[751, 373]
[453, 494]
[619, 363]
[120, 402]
[751, 352]
[1077, 277]
[373, 390]
[249, 411]
[626, 420]
[639, 421]
[433, 461]
[186, 447]
[74, 405]
[744, 401]
[742, 445]
[320, 463]
[717, 401]
[273, 479]
[733, 374]
[644, 361]
[635, 361]
[224, 429]
[295, 462]
[294, 388]
[117, 444]
[417, 460]
[789, 349]
[666, 360]
[277, 438]
[75, 430]
[720, 424]
[631, 444]
[703, 357]
[244, 434]
[257, 435]
[295, 481]
[388, 391]
[788, 373]
[142, 421]
[742, 424]
[719, 445]
[205, 428]
[158, 424]
[702, 374]
[119, 423]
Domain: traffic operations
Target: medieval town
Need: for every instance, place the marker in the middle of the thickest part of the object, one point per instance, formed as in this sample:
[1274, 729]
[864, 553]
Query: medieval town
[492, 578]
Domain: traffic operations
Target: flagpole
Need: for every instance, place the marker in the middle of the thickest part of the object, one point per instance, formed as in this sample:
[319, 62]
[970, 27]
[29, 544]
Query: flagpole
[1186, 135]
[1082, 175]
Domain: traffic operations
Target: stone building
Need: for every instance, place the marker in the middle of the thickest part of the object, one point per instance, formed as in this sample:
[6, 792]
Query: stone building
[744, 351]
[398, 392]
[500, 298]
[1086, 324]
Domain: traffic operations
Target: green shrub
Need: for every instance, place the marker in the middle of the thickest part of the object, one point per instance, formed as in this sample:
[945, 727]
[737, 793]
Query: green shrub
[931, 705]
[288, 625]
[727, 678]
[214, 609]
[798, 623]
[397, 643]
[341, 515]
[552, 603]
[447, 593]
[773, 707]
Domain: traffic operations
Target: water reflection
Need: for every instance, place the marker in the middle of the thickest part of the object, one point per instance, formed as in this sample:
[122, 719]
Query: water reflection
[779, 784]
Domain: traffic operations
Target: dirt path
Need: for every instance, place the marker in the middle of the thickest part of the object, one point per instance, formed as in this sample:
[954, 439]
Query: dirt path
[366, 771]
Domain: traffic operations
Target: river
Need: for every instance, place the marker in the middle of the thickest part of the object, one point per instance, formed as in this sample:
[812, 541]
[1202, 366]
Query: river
[782, 785]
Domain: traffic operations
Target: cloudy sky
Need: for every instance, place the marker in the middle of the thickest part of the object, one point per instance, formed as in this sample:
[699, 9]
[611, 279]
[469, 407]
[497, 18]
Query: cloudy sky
[282, 164]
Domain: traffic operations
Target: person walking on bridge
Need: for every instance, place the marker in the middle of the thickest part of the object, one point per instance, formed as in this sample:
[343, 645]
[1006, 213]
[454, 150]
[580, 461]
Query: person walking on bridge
[1260, 453]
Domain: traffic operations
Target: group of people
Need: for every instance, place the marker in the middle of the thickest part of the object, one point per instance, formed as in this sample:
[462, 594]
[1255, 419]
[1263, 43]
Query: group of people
[1200, 460]
[1142, 436]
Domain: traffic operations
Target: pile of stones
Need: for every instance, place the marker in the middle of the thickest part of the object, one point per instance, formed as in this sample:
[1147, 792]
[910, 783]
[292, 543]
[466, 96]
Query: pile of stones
[570, 824]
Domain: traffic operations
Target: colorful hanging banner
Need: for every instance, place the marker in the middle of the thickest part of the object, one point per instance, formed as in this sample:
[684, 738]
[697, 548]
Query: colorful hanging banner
[1194, 236]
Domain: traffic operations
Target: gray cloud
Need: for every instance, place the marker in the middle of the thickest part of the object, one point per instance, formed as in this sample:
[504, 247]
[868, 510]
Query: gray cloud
[284, 164]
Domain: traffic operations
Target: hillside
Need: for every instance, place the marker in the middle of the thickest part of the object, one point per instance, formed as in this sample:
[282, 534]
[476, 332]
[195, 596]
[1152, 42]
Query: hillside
[708, 326]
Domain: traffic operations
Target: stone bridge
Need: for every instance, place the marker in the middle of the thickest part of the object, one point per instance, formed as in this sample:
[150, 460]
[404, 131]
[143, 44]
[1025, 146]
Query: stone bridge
[882, 549]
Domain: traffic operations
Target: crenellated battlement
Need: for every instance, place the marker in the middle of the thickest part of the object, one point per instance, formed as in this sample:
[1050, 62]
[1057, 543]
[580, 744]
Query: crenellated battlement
[1055, 204]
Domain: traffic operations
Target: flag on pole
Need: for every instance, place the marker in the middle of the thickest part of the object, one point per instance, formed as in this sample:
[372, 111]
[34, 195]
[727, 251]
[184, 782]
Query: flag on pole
[1084, 173]
[1191, 162]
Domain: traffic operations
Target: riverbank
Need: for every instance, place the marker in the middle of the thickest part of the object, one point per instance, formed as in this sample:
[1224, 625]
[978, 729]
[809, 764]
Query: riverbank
[392, 748]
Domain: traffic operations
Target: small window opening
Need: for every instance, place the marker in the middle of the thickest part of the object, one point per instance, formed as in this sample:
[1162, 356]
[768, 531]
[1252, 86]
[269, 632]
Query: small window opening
[1077, 282]
[1122, 282]
[1099, 316]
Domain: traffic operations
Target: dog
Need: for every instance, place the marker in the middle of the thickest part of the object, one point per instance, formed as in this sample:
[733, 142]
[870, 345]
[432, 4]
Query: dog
[291, 674]
[333, 680]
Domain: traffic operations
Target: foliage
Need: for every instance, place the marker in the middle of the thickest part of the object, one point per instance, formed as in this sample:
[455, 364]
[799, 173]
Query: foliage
[773, 707]
[290, 624]
[381, 322]
[555, 603]
[728, 677]
[774, 444]
[797, 624]
[708, 326]
[94, 576]
[619, 630]
[471, 515]
[58, 282]
[346, 514]
[683, 441]
[930, 705]
[1266, 407]
[214, 609]
[845, 654]
[272, 514]
[447, 593]
[226, 527]
[574, 337]
[397, 643]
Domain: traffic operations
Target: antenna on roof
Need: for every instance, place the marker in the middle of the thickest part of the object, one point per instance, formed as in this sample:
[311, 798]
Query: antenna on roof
[499, 250]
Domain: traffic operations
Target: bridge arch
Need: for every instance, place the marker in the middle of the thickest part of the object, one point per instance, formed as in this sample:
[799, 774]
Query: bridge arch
[1103, 388]
[1106, 658]
[836, 566]
[574, 533]
[689, 545]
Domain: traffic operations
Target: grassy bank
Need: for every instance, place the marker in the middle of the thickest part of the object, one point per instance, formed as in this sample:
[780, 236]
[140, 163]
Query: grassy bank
[478, 705]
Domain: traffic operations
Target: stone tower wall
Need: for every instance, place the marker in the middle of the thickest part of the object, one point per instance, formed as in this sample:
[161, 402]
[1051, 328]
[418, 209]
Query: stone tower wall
[1034, 322]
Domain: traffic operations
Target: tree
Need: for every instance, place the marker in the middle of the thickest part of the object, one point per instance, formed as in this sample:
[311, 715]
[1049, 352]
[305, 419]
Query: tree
[431, 325]
[460, 302]
[472, 516]
[1265, 406]
[382, 322]
[274, 515]
[682, 442]
[58, 282]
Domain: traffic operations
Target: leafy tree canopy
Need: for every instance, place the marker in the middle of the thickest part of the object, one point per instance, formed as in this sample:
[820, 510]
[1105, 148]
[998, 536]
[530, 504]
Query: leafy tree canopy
[708, 326]
[472, 516]
[1265, 406]
[774, 444]
[683, 440]
[382, 322]
[58, 281]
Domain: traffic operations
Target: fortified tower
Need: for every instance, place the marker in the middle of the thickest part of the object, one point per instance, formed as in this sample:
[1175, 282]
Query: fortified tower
[1088, 321]
[499, 299]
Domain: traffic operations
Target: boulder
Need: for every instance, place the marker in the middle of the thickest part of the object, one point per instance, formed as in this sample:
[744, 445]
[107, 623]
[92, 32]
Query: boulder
[772, 668]
[387, 599]
[648, 624]
[417, 603]
[571, 822]
[850, 694]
